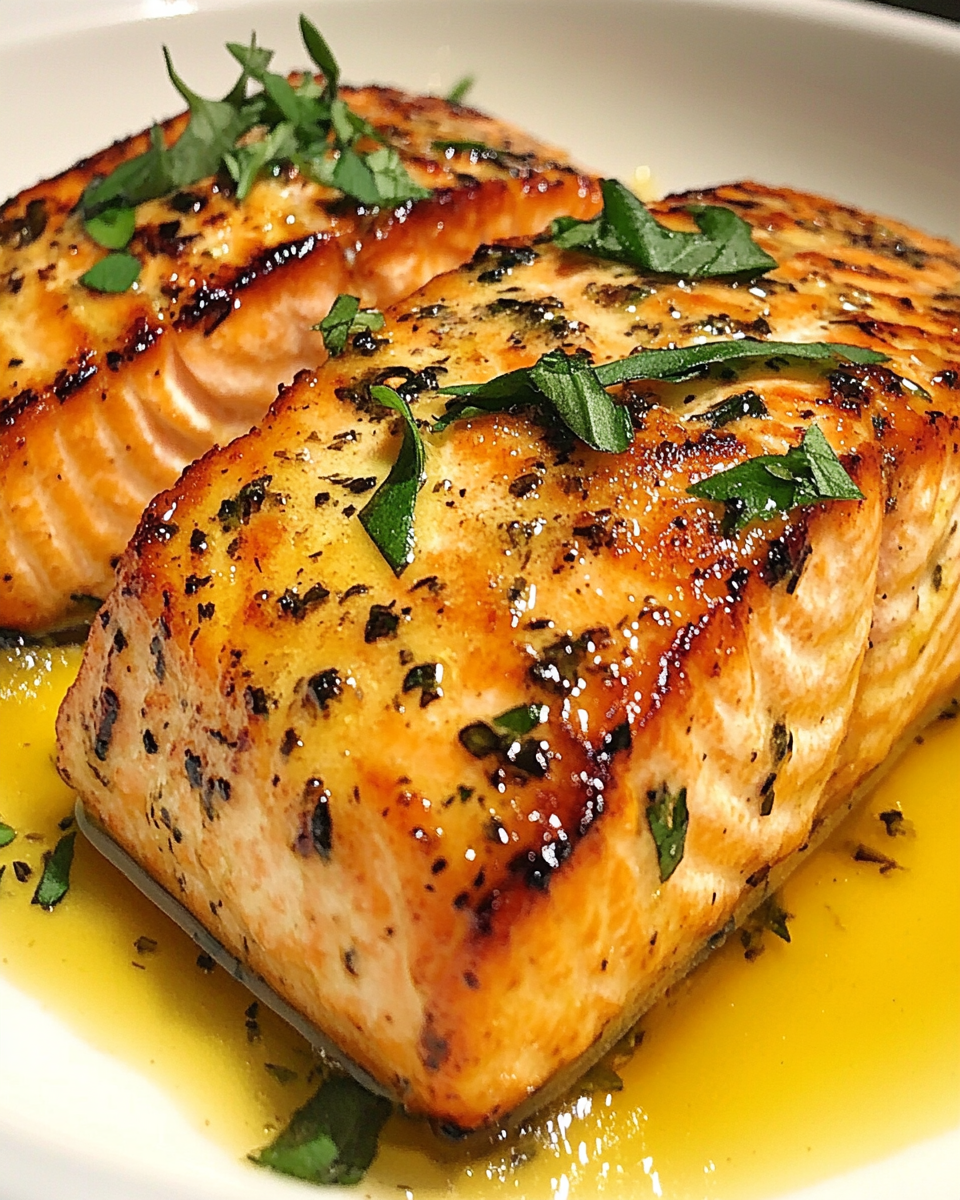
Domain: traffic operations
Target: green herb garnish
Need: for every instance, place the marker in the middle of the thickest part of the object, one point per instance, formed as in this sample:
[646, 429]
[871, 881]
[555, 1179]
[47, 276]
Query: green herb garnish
[115, 273]
[308, 125]
[346, 317]
[667, 817]
[777, 483]
[458, 93]
[55, 880]
[113, 228]
[332, 1138]
[744, 404]
[675, 366]
[571, 389]
[627, 232]
[7, 834]
[770, 915]
[388, 514]
[566, 384]
[573, 398]
[522, 719]
[505, 737]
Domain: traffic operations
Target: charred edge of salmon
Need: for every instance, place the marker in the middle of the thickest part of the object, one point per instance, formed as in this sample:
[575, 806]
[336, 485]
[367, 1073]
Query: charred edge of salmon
[142, 334]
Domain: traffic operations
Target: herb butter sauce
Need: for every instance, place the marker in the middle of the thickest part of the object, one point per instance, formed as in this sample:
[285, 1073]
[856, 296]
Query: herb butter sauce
[756, 1074]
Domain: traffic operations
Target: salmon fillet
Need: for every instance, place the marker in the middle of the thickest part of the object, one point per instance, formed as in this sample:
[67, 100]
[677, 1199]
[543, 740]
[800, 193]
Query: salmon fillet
[284, 733]
[105, 398]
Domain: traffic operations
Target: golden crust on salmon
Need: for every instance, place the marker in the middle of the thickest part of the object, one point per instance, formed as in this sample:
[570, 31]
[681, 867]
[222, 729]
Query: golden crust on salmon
[278, 728]
[105, 398]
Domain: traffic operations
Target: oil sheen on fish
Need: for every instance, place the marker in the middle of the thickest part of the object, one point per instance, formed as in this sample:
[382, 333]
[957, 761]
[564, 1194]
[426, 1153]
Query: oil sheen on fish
[105, 398]
[278, 728]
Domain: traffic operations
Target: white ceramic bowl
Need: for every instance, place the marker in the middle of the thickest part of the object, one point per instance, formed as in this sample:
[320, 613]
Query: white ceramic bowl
[849, 99]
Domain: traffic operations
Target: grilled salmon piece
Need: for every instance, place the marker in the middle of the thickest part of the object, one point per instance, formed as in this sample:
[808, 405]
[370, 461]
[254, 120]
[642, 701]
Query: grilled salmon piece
[302, 746]
[105, 398]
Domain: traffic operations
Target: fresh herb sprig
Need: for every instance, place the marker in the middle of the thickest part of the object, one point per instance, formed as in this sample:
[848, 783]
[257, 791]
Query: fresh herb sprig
[115, 273]
[571, 390]
[461, 89]
[576, 390]
[55, 880]
[332, 1138]
[777, 483]
[626, 231]
[668, 818]
[388, 514]
[309, 125]
[346, 317]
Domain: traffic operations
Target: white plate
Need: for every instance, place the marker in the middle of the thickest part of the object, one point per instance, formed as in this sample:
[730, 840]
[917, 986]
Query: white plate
[848, 99]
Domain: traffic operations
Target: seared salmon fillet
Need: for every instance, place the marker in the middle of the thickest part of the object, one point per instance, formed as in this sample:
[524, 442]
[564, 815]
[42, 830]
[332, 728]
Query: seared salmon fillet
[104, 398]
[304, 747]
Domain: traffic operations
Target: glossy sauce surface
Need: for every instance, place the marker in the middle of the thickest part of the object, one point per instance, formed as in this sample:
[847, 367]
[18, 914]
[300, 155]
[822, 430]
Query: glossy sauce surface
[753, 1076]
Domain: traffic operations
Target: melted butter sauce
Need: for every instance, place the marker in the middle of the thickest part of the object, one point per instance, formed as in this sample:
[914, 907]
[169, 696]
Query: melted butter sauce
[752, 1076]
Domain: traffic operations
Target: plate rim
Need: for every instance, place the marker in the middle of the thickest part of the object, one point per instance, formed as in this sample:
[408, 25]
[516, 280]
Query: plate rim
[48, 1160]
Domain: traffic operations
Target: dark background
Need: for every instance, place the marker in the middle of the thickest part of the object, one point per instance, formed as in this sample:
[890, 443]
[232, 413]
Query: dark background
[939, 8]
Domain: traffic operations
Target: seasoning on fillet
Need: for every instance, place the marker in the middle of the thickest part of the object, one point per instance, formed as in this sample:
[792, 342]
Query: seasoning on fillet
[154, 296]
[666, 663]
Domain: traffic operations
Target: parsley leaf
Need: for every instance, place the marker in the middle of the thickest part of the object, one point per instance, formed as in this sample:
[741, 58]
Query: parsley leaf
[115, 273]
[346, 317]
[566, 383]
[388, 514]
[55, 880]
[112, 228]
[321, 53]
[332, 1138]
[571, 385]
[132, 182]
[771, 483]
[376, 178]
[678, 365]
[211, 132]
[458, 93]
[743, 404]
[307, 124]
[667, 817]
[7, 834]
[627, 232]
[246, 162]
[505, 738]
[522, 719]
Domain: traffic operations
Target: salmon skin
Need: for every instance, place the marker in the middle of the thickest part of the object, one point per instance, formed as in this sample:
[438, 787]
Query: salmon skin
[105, 398]
[304, 748]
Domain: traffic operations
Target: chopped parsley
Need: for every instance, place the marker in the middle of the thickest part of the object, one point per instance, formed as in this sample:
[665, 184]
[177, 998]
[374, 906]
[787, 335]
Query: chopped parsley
[773, 483]
[332, 1138]
[506, 738]
[667, 817]
[458, 93]
[115, 273]
[113, 228]
[55, 880]
[388, 514]
[7, 834]
[308, 125]
[626, 231]
[570, 389]
[346, 317]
